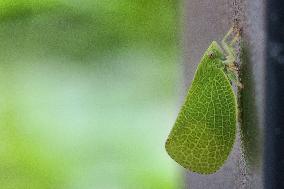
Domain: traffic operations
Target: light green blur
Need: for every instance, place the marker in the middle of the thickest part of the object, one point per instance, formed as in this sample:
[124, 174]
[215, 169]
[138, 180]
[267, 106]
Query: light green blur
[88, 92]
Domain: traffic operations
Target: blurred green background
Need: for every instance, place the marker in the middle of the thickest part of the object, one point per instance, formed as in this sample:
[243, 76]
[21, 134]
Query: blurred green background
[89, 93]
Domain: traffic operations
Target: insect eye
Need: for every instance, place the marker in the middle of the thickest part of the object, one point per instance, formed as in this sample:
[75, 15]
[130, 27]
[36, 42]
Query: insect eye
[211, 55]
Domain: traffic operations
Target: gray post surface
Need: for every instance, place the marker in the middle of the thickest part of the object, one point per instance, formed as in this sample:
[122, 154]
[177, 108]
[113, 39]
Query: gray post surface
[208, 20]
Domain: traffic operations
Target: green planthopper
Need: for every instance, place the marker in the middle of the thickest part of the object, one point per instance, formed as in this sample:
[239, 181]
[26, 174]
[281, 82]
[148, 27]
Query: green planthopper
[205, 129]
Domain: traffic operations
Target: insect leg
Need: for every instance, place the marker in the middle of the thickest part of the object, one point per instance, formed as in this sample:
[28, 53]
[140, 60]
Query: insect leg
[233, 76]
[229, 46]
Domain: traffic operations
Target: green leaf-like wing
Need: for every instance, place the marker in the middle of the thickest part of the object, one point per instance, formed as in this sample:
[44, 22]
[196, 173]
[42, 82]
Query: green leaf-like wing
[204, 132]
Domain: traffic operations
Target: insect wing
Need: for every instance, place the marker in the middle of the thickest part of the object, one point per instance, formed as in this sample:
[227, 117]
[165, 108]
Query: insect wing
[204, 132]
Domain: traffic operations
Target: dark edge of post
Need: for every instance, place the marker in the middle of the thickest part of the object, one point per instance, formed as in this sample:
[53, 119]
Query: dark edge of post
[274, 101]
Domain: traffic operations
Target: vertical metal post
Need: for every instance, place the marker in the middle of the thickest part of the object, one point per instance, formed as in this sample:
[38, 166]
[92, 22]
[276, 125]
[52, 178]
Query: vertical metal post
[207, 20]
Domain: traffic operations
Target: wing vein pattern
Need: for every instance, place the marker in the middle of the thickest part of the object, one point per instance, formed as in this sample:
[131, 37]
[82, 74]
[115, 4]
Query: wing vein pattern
[205, 129]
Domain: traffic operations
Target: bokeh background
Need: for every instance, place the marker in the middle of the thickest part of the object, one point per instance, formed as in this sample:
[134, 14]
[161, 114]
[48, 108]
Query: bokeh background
[89, 92]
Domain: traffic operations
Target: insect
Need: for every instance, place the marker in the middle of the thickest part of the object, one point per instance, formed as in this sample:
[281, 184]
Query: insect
[205, 129]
